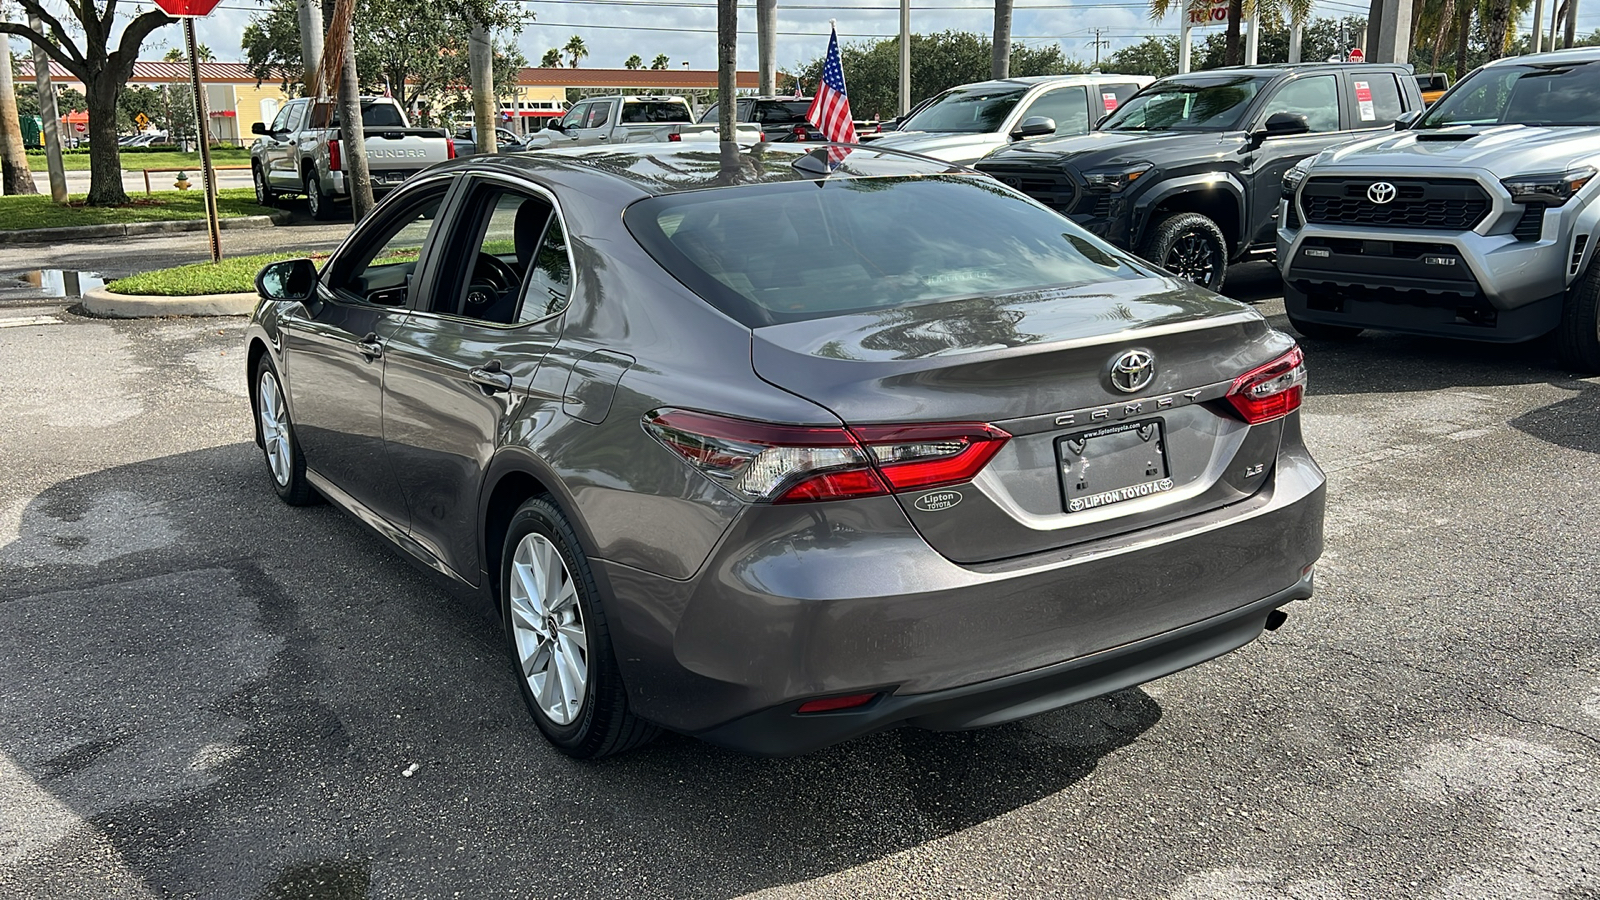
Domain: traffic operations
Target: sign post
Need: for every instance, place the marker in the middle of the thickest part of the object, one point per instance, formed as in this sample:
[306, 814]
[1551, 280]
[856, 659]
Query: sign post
[188, 11]
[1198, 14]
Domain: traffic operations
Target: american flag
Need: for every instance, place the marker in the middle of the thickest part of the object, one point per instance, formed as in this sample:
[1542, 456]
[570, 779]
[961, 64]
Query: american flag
[830, 108]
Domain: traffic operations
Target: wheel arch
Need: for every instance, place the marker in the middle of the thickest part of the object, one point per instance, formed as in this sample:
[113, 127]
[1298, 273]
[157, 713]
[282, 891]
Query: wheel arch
[515, 476]
[1218, 198]
[253, 354]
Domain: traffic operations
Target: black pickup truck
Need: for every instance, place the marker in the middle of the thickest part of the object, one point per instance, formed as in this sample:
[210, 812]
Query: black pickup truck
[1188, 172]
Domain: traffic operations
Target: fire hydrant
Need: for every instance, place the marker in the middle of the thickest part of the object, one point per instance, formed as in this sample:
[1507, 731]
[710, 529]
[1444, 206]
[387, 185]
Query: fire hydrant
[182, 183]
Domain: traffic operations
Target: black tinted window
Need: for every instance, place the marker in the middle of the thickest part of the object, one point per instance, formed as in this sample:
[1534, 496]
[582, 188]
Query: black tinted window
[1524, 95]
[781, 112]
[1377, 99]
[800, 250]
[549, 284]
[1316, 98]
[654, 111]
[1191, 103]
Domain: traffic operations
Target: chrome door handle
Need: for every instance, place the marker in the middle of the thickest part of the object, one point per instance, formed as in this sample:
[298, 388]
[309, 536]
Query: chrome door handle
[370, 347]
[489, 377]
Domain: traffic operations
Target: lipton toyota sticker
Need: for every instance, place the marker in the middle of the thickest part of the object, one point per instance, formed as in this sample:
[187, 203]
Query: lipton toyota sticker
[1110, 100]
[1364, 101]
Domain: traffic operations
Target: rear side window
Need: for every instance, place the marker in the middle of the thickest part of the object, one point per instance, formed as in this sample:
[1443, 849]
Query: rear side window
[1112, 96]
[599, 114]
[636, 112]
[788, 252]
[1066, 106]
[1377, 99]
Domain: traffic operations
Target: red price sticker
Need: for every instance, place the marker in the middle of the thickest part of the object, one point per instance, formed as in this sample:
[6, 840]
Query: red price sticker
[1364, 102]
[1110, 100]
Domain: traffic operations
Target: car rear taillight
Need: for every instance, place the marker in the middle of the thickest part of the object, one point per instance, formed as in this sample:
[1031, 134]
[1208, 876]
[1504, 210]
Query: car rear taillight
[334, 162]
[1271, 391]
[449, 149]
[801, 133]
[674, 137]
[833, 704]
[763, 462]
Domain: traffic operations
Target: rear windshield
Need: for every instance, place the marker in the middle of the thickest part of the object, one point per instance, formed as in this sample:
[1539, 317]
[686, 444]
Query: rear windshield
[1203, 103]
[971, 110]
[793, 251]
[781, 112]
[373, 115]
[637, 112]
[1522, 95]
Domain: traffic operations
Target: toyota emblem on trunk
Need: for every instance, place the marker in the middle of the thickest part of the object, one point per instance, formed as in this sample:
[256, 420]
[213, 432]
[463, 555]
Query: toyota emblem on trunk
[1380, 192]
[1133, 371]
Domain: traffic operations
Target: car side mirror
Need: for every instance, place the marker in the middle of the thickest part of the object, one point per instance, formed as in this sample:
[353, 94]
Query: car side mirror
[259, 128]
[1284, 124]
[1405, 119]
[288, 280]
[555, 125]
[1035, 126]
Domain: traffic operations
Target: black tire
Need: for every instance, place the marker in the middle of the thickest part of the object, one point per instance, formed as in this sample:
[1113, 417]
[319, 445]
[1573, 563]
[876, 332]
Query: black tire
[265, 195]
[1190, 246]
[318, 201]
[604, 724]
[1317, 331]
[288, 475]
[1578, 336]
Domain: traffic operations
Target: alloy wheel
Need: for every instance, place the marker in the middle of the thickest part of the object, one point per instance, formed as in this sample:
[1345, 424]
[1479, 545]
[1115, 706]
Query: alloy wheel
[547, 624]
[261, 188]
[274, 427]
[1193, 258]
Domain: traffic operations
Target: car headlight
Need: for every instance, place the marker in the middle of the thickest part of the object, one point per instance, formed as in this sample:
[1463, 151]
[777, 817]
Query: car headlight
[1115, 179]
[1551, 190]
[1293, 178]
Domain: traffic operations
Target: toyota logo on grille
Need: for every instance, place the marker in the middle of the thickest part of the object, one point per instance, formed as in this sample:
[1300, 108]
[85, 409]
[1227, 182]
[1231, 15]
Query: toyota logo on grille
[1380, 192]
[1133, 371]
[1008, 181]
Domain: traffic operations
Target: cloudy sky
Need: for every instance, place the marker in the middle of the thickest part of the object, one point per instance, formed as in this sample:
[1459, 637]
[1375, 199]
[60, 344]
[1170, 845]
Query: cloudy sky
[685, 30]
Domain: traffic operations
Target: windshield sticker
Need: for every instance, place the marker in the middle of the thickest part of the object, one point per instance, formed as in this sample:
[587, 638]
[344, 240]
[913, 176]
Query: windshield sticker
[1364, 100]
[1110, 100]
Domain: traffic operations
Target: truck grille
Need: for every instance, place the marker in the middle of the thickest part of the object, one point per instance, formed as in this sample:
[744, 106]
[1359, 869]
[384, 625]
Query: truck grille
[1444, 204]
[1055, 191]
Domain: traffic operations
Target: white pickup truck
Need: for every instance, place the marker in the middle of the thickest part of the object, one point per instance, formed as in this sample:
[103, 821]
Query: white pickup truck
[301, 151]
[597, 121]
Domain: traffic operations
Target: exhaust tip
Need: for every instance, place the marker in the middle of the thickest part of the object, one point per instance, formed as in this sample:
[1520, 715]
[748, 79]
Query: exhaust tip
[1275, 619]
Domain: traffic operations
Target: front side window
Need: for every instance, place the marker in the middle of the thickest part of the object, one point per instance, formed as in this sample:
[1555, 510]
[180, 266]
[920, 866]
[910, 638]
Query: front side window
[575, 116]
[1549, 94]
[869, 243]
[969, 110]
[1066, 106]
[285, 115]
[1316, 98]
[1189, 103]
[379, 269]
[512, 266]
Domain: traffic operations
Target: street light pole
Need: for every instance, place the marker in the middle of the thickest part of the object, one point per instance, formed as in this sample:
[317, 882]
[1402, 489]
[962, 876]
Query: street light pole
[905, 56]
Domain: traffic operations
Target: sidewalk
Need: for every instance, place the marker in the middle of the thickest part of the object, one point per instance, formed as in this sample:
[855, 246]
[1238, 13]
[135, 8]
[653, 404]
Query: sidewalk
[133, 181]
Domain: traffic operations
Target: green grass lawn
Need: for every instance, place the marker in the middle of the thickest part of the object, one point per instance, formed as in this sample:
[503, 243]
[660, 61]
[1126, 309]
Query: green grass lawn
[231, 276]
[36, 211]
[133, 162]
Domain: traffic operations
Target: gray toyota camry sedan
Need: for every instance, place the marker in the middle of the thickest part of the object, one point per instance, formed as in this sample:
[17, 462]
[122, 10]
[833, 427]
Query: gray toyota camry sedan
[776, 453]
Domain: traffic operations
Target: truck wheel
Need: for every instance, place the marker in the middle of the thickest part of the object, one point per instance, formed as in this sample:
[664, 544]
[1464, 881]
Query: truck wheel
[319, 202]
[1317, 331]
[1578, 336]
[1190, 246]
[265, 195]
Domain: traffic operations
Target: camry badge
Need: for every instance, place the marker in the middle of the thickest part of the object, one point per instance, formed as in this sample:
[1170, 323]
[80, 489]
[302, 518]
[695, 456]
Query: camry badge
[1133, 371]
[1381, 192]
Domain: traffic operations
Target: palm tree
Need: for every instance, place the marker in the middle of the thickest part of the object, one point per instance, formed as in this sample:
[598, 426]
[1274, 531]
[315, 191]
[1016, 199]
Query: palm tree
[1001, 65]
[175, 55]
[551, 59]
[660, 62]
[575, 51]
[634, 62]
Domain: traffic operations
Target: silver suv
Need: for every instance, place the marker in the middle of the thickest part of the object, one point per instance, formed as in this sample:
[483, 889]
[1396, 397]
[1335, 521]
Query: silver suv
[1474, 221]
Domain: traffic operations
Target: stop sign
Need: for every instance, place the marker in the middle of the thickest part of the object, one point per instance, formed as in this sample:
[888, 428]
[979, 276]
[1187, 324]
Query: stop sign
[1356, 55]
[180, 9]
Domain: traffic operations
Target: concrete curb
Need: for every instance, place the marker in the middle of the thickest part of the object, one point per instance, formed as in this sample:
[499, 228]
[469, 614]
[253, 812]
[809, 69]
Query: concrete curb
[129, 229]
[101, 302]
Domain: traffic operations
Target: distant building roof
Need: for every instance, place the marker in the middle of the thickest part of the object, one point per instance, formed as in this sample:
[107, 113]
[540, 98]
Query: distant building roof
[156, 72]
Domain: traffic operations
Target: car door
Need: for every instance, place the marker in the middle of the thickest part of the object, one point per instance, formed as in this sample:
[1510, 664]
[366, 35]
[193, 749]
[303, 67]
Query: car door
[571, 126]
[335, 348]
[462, 364]
[1317, 98]
[597, 128]
[279, 157]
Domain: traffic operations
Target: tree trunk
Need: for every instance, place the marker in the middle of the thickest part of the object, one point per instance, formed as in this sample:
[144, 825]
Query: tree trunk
[1233, 53]
[727, 68]
[105, 159]
[1462, 37]
[1495, 27]
[767, 45]
[480, 59]
[1001, 66]
[14, 175]
[357, 176]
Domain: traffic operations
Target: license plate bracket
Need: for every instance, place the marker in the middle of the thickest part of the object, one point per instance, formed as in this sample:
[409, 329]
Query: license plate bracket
[1112, 464]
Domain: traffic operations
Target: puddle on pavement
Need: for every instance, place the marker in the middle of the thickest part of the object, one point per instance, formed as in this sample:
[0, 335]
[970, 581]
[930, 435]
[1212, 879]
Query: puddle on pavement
[61, 282]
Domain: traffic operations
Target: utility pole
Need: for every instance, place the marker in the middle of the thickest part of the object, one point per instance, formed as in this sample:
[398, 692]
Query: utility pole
[1097, 43]
[49, 117]
[309, 14]
[905, 56]
[480, 57]
[1536, 39]
[727, 68]
[1296, 35]
[767, 45]
[1252, 42]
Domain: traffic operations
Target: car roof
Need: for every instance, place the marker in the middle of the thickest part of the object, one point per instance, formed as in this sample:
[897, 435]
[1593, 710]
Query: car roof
[1030, 80]
[1570, 55]
[1271, 70]
[671, 168]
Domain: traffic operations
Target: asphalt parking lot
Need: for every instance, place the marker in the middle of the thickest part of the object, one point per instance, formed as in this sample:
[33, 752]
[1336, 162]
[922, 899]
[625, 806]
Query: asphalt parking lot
[205, 693]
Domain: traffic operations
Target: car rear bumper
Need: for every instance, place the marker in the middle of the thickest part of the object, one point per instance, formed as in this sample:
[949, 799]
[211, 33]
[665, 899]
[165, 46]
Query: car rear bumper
[808, 601]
